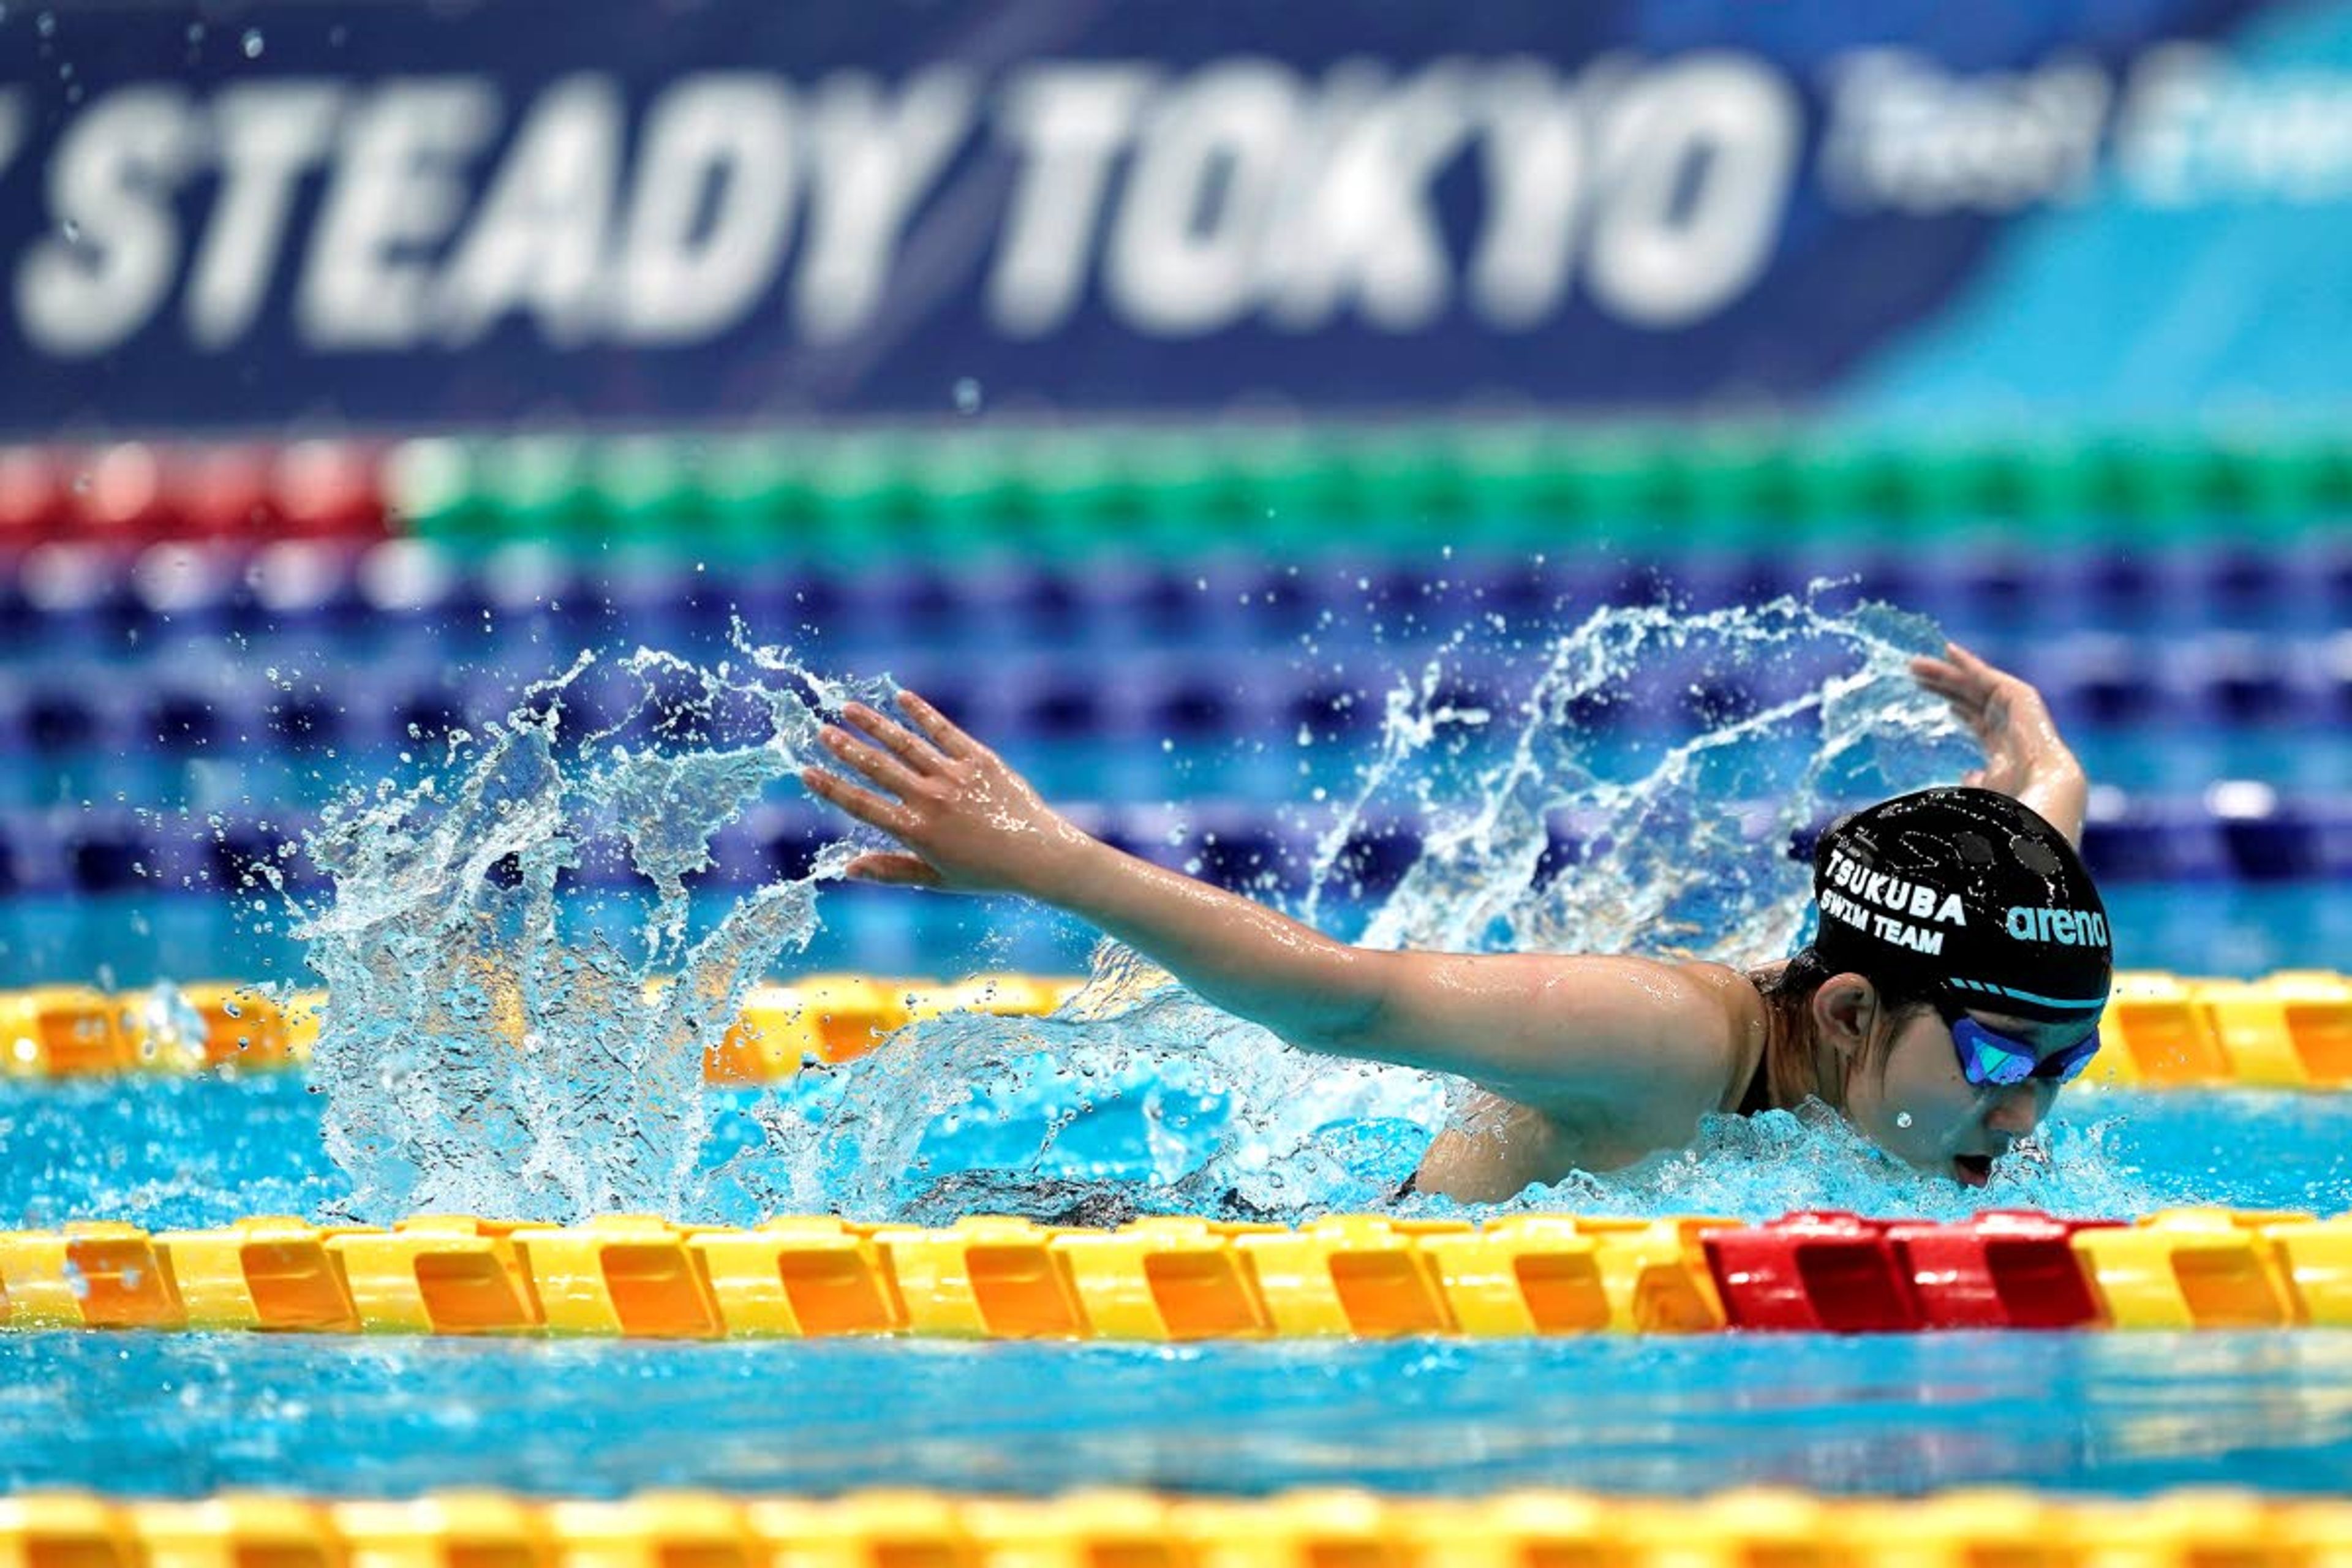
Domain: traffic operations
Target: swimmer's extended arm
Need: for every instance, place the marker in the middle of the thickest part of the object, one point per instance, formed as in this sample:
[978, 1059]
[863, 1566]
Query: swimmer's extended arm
[2026, 757]
[1608, 1036]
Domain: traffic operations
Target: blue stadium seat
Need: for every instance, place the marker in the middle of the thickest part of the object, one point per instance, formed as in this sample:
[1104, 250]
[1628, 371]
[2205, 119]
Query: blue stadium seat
[412, 705]
[2125, 586]
[105, 851]
[776, 606]
[1330, 708]
[911, 606]
[1051, 700]
[1028, 603]
[2265, 837]
[1144, 602]
[1199, 701]
[64, 712]
[298, 585]
[1243, 847]
[2241, 580]
[304, 719]
[792, 836]
[2242, 679]
[180, 592]
[1375, 857]
[183, 716]
[2100, 678]
[30, 846]
[241, 845]
[1524, 589]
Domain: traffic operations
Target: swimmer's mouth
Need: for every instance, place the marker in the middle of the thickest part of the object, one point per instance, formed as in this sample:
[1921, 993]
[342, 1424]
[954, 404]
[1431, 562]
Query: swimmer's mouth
[1973, 1170]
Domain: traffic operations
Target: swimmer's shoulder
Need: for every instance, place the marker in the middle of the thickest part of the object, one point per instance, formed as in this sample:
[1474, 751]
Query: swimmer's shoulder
[1740, 1025]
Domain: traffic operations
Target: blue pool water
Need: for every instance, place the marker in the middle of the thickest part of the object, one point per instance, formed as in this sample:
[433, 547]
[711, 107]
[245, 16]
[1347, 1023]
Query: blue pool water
[2113, 1413]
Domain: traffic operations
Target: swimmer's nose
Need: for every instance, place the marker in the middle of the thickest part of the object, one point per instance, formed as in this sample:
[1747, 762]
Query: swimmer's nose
[2015, 1110]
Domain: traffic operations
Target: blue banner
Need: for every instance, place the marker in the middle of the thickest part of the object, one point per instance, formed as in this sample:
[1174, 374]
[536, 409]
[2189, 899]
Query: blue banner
[414, 214]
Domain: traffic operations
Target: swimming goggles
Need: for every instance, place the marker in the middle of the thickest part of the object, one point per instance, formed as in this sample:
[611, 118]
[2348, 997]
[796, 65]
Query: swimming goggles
[1990, 1059]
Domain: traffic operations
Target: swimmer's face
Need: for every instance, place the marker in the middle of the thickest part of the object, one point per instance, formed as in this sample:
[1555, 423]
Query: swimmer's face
[1924, 1111]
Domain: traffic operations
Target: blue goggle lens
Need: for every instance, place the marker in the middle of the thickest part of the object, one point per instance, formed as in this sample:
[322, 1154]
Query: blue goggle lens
[1989, 1058]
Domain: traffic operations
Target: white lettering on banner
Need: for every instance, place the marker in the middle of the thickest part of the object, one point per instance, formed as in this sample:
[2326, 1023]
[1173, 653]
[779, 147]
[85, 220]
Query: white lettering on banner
[395, 190]
[1360, 229]
[265, 136]
[1239, 192]
[1698, 159]
[2197, 128]
[876, 159]
[1187, 248]
[724, 140]
[537, 243]
[1067, 123]
[1905, 135]
[112, 253]
[1532, 154]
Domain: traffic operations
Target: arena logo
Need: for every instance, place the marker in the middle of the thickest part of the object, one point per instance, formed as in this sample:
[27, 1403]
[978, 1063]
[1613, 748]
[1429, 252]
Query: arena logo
[401, 213]
[2068, 928]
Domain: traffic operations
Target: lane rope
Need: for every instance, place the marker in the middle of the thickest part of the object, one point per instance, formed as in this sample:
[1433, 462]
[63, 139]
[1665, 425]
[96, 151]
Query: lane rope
[2292, 1029]
[891, 1528]
[1180, 1277]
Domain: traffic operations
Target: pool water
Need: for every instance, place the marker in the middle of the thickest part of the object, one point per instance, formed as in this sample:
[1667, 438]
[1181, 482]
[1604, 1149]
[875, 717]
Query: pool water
[2113, 1413]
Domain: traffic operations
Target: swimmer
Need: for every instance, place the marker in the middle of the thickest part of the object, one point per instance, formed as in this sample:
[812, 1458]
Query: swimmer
[1962, 961]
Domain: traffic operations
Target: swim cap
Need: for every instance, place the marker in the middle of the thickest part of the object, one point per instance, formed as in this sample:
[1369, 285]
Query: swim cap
[1967, 890]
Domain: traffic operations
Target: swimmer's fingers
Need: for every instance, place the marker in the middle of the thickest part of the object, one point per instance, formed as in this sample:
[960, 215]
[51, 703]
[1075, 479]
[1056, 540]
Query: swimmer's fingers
[864, 805]
[878, 766]
[900, 742]
[942, 731]
[1958, 676]
[898, 870]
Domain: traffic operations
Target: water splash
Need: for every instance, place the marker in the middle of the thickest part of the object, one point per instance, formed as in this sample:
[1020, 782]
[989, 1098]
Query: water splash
[490, 1050]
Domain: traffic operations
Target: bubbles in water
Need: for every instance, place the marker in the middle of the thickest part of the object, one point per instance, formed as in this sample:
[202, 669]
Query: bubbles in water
[45, 24]
[70, 230]
[196, 32]
[1902, 1119]
[967, 396]
[251, 43]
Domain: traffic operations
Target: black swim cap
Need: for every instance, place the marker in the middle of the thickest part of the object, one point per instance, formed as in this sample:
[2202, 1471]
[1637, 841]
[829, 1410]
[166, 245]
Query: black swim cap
[1964, 890]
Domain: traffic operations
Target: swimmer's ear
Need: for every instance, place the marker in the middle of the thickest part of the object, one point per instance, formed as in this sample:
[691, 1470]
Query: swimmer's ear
[1844, 1009]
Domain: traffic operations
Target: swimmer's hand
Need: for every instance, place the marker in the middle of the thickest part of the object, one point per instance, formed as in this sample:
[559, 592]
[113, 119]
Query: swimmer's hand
[2026, 757]
[967, 822]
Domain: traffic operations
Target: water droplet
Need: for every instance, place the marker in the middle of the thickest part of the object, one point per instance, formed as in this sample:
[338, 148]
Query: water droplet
[967, 396]
[45, 24]
[196, 32]
[1902, 1119]
[252, 43]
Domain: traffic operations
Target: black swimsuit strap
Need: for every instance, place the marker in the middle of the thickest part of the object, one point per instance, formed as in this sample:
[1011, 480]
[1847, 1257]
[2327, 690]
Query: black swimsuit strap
[1759, 1087]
